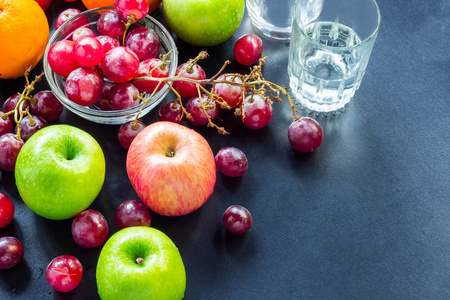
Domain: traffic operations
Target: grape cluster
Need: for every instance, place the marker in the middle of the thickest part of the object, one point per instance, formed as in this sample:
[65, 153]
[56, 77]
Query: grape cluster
[99, 63]
[23, 115]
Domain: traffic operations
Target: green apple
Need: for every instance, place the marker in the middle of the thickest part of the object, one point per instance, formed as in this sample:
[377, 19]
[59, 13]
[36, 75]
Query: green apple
[140, 263]
[204, 22]
[60, 171]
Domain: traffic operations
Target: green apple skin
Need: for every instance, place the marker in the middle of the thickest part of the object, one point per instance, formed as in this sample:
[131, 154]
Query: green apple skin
[160, 276]
[204, 22]
[60, 171]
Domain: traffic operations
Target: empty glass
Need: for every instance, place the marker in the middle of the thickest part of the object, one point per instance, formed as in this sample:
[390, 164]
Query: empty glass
[272, 17]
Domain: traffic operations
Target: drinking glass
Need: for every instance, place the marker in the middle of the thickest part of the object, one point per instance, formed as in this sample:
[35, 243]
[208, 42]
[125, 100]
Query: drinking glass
[271, 17]
[330, 47]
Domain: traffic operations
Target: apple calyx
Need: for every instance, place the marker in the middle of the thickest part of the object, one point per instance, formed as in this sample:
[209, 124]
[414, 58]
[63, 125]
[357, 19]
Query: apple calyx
[170, 153]
[139, 260]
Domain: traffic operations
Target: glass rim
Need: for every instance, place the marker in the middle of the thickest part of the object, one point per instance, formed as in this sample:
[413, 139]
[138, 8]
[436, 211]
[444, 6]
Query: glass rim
[372, 36]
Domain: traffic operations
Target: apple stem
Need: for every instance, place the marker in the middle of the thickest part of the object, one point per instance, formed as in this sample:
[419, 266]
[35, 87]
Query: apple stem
[139, 260]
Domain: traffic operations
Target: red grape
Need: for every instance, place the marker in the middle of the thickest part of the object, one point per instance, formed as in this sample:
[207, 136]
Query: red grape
[6, 126]
[231, 94]
[109, 24]
[103, 102]
[305, 134]
[186, 89]
[47, 106]
[81, 32]
[11, 103]
[11, 252]
[64, 273]
[137, 9]
[9, 149]
[132, 213]
[44, 4]
[6, 210]
[120, 64]
[28, 127]
[172, 112]
[127, 132]
[199, 117]
[60, 58]
[69, 13]
[84, 86]
[144, 42]
[87, 51]
[231, 161]
[107, 42]
[248, 49]
[158, 70]
[237, 219]
[89, 228]
[123, 95]
[257, 112]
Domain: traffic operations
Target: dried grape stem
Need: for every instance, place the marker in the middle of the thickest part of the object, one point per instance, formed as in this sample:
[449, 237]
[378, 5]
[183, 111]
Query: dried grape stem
[252, 83]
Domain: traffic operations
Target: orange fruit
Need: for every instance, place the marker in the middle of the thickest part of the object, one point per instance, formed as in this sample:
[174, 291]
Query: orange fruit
[24, 34]
[90, 4]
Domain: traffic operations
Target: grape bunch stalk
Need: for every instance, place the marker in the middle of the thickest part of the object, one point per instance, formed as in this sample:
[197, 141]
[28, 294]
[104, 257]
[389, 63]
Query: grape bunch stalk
[22, 108]
[252, 85]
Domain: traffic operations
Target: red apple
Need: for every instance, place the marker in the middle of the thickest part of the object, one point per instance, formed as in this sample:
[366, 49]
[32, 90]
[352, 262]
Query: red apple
[171, 168]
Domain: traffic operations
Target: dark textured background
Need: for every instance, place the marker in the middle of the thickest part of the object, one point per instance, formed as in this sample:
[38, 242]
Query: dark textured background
[367, 216]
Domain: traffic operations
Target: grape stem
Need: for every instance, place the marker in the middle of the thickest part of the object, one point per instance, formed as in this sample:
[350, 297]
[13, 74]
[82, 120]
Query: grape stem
[253, 83]
[19, 111]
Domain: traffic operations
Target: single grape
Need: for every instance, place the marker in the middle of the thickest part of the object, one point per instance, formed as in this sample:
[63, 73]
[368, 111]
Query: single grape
[64, 273]
[11, 252]
[84, 86]
[47, 105]
[135, 9]
[6, 210]
[248, 49]
[231, 161]
[31, 126]
[87, 51]
[186, 89]
[123, 96]
[128, 131]
[120, 64]
[11, 103]
[44, 4]
[60, 58]
[257, 112]
[66, 15]
[194, 108]
[231, 94]
[152, 67]
[172, 112]
[305, 134]
[103, 102]
[237, 219]
[9, 149]
[109, 24]
[144, 42]
[6, 126]
[132, 213]
[81, 32]
[107, 42]
[89, 228]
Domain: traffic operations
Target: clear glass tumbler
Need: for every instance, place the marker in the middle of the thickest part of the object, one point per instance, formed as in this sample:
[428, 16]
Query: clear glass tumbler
[272, 17]
[331, 43]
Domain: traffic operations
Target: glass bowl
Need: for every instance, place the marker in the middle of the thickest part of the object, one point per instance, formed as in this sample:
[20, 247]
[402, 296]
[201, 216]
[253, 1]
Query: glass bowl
[92, 113]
